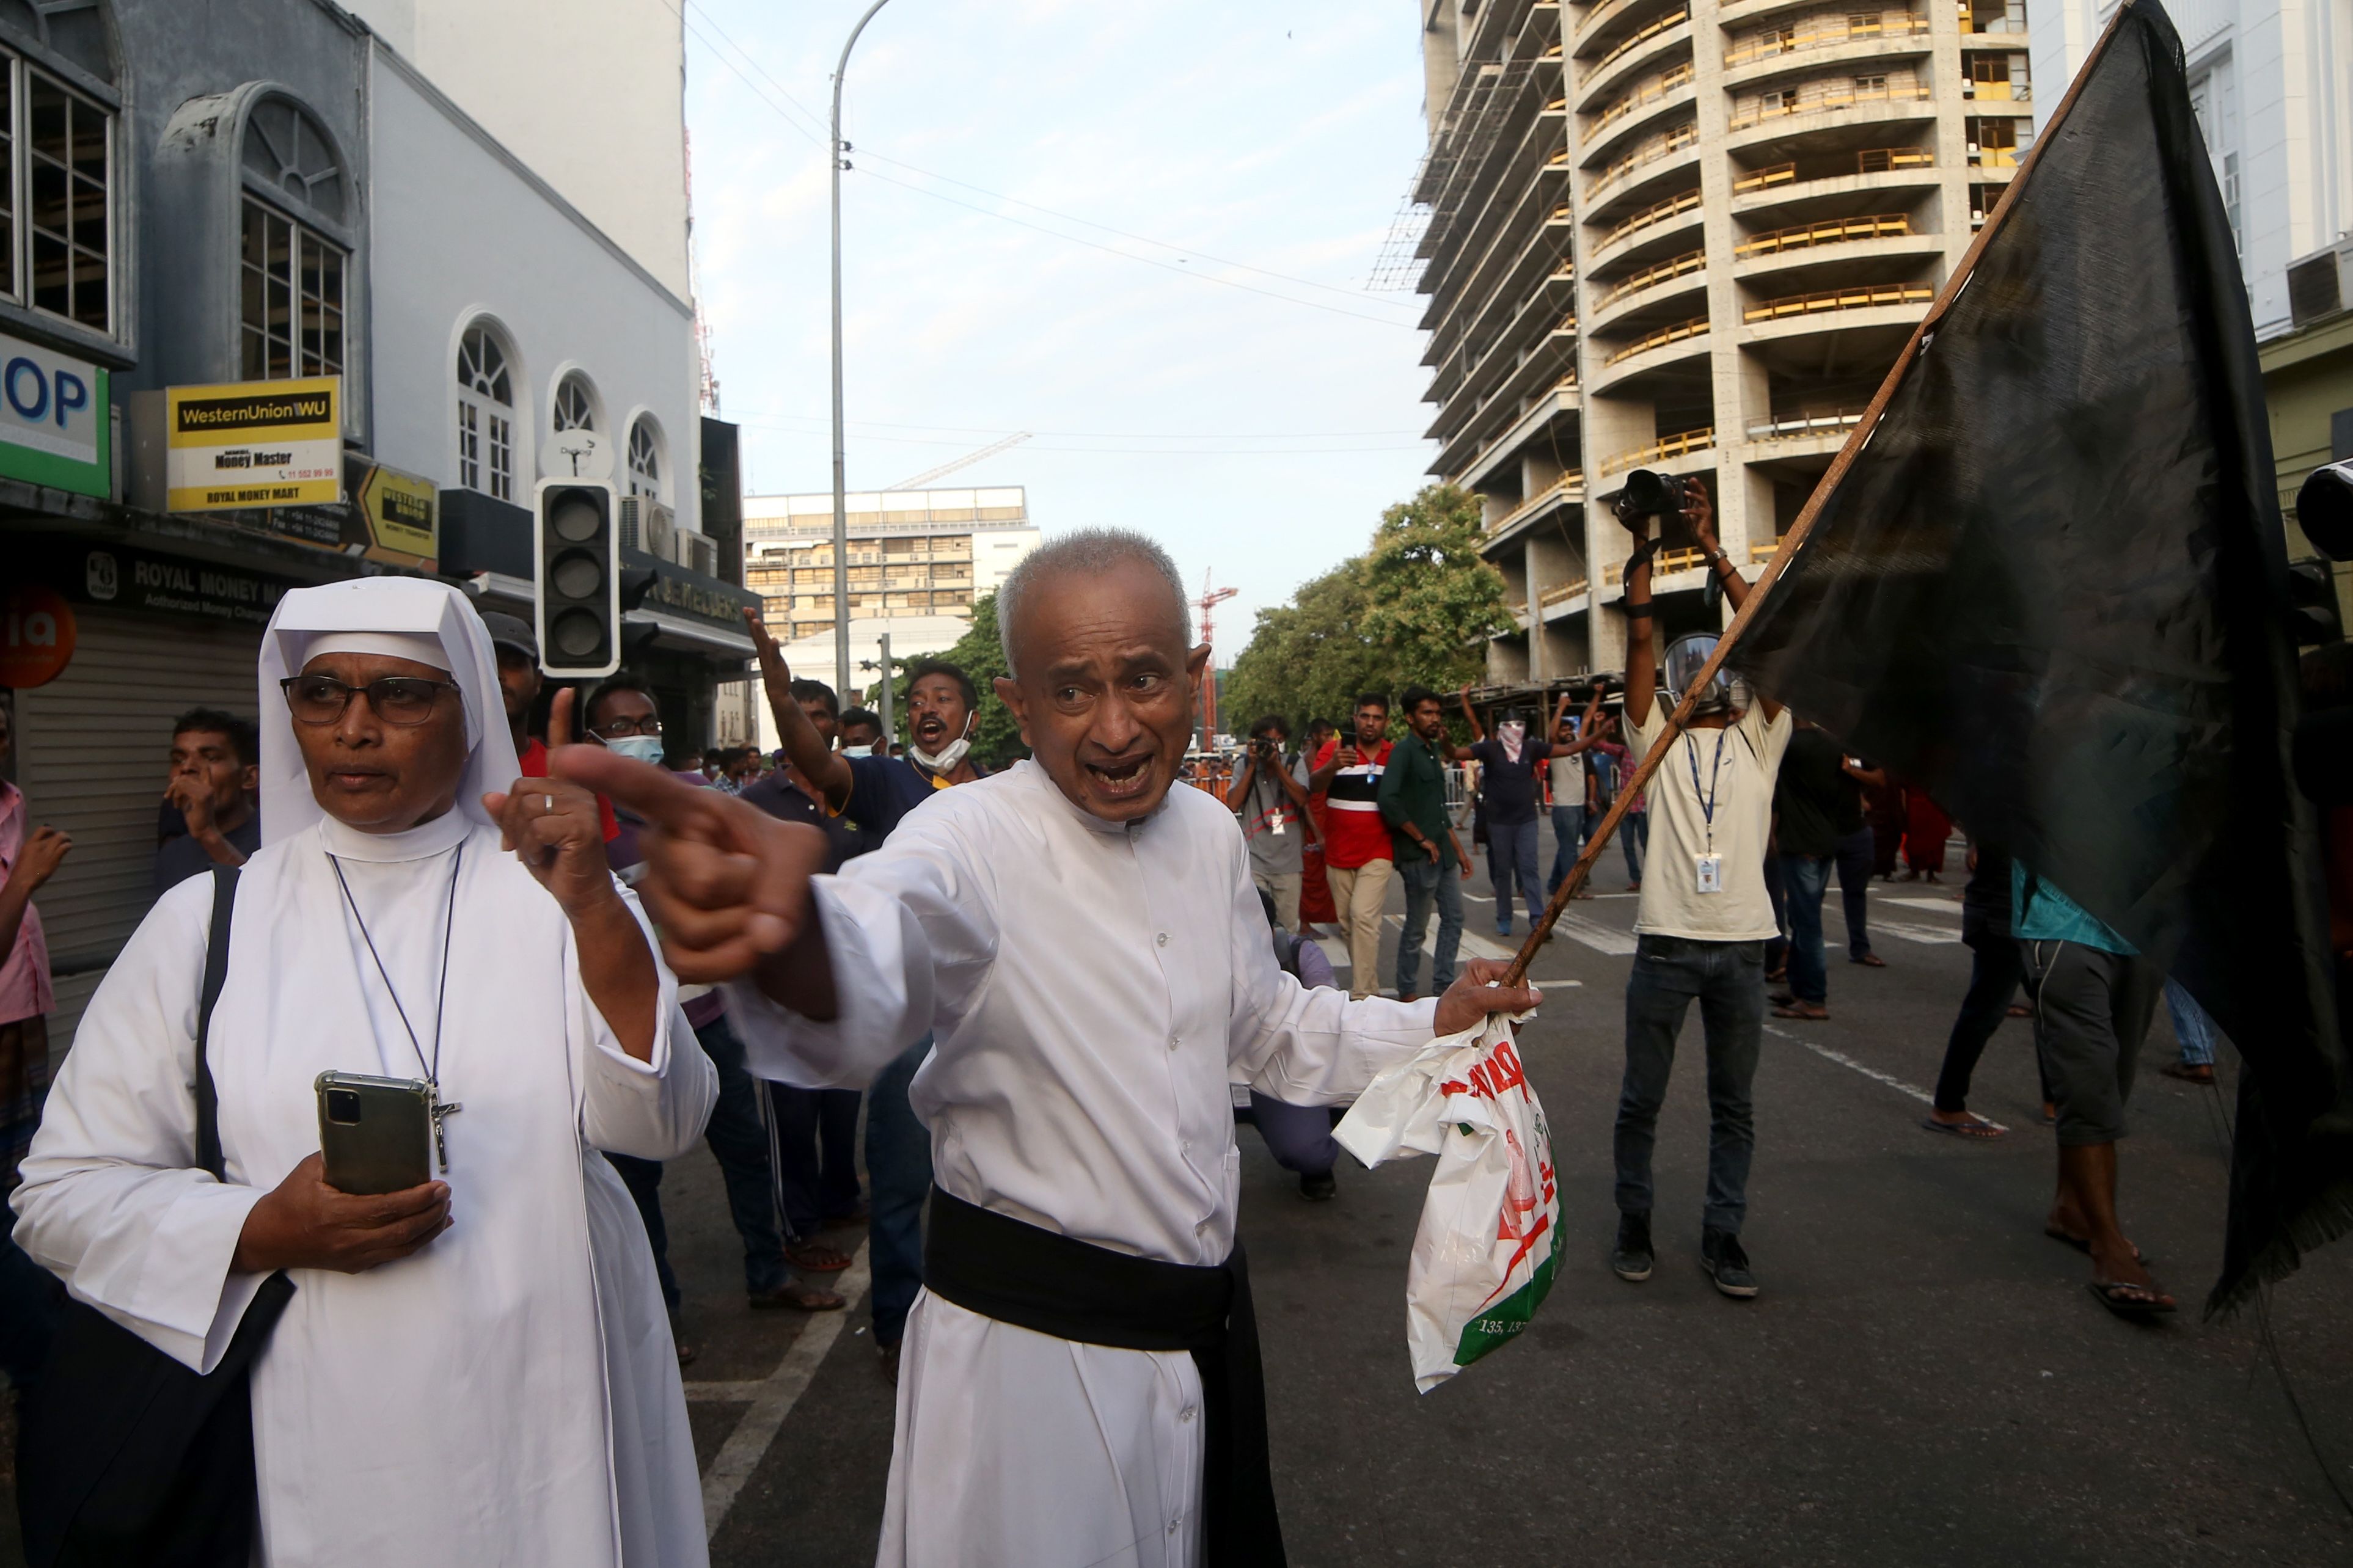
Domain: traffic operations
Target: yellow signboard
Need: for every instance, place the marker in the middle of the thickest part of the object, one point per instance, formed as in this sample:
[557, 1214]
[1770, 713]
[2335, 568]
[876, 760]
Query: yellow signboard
[403, 516]
[254, 444]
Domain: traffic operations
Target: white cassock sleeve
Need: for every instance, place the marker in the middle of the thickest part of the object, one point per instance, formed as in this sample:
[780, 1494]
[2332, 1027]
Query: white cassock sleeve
[911, 930]
[1301, 1045]
[655, 1109]
[111, 1201]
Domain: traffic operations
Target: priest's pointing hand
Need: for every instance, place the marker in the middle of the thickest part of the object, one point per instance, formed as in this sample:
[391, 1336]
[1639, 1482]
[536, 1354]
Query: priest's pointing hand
[727, 885]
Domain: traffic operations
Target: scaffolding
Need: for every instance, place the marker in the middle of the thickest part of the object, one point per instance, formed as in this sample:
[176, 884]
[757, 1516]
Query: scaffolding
[1444, 185]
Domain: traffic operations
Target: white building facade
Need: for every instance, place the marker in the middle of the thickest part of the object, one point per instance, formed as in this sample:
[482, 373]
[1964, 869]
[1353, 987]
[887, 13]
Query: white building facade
[2273, 84]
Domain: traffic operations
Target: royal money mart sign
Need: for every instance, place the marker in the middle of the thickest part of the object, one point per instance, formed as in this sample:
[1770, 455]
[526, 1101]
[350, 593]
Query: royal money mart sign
[254, 444]
[54, 423]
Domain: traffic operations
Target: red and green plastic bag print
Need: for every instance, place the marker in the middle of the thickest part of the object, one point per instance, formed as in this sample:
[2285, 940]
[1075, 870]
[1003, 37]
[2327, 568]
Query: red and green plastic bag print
[1489, 1242]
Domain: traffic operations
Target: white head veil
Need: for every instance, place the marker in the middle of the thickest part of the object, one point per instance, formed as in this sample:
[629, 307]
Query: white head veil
[411, 605]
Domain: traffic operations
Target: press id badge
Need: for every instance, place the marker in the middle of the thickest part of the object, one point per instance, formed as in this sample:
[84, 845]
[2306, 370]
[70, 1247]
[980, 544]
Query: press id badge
[1711, 873]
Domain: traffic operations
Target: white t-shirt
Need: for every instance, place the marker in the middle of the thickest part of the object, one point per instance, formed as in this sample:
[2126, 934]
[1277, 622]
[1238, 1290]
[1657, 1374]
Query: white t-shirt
[1743, 770]
[1568, 780]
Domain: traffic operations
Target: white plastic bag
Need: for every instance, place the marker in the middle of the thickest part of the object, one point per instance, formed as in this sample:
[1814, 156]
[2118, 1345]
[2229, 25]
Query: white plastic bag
[1489, 1241]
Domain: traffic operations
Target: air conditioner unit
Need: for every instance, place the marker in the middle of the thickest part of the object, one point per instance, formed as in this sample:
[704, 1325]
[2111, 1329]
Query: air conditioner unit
[647, 525]
[2321, 284]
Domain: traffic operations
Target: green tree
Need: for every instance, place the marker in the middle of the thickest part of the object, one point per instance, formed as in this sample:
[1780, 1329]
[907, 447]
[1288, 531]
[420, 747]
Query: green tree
[1417, 606]
[996, 739]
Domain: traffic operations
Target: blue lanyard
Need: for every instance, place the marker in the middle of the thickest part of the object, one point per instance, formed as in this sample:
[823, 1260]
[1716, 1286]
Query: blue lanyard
[1706, 802]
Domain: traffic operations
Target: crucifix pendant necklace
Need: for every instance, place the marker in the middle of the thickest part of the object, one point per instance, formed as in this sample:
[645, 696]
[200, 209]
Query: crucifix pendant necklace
[432, 1069]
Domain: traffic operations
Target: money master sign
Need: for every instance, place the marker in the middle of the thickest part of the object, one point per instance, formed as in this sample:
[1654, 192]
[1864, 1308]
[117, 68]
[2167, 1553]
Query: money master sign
[255, 444]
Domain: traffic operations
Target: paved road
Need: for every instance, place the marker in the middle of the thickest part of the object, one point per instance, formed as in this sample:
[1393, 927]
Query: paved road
[1924, 1381]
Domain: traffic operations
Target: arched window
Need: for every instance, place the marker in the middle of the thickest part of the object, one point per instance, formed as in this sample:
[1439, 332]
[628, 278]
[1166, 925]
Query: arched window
[575, 403]
[486, 415]
[645, 459]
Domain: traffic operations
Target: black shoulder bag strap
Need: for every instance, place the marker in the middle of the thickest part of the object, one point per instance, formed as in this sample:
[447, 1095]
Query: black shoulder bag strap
[127, 1456]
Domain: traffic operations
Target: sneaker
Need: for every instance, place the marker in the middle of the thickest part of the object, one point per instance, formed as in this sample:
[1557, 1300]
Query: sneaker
[1316, 1186]
[1721, 1255]
[1630, 1259]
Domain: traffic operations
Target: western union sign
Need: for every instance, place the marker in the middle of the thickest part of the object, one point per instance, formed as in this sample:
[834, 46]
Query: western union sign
[255, 444]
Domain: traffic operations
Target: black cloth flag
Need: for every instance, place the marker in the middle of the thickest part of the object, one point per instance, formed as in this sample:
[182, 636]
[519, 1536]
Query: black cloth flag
[2052, 589]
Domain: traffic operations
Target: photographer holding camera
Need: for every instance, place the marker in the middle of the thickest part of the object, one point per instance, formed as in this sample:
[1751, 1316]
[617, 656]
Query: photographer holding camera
[1704, 917]
[1270, 796]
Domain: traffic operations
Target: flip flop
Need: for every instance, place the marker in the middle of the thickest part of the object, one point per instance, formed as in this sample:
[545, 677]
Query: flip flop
[1870, 960]
[2130, 1301]
[2200, 1074]
[2083, 1244]
[2018, 1010]
[1800, 1012]
[1975, 1127]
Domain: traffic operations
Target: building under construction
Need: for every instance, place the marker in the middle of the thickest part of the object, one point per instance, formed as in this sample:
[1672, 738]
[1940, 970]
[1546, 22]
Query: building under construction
[1681, 234]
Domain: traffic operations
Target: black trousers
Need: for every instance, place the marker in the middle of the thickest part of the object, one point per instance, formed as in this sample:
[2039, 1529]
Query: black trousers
[1995, 974]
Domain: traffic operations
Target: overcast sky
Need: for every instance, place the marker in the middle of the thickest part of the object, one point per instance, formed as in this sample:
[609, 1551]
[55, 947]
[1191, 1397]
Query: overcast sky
[1257, 437]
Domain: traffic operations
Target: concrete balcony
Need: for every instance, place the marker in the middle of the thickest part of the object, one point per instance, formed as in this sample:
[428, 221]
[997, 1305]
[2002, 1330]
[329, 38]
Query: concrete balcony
[1651, 287]
[1801, 111]
[1666, 449]
[1650, 230]
[1559, 402]
[1830, 245]
[1673, 344]
[1626, 116]
[1762, 192]
[1645, 167]
[1784, 437]
[1822, 41]
[1657, 41]
[1569, 490]
[1611, 18]
[1544, 363]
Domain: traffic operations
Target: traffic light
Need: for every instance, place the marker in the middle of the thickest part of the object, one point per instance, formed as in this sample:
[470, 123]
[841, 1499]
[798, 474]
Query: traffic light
[578, 590]
[2313, 616]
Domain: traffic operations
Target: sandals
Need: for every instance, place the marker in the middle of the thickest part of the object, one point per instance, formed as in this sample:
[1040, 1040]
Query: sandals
[816, 1257]
[1811, 1013]
[2200, 1073]
[797, 1297]
[2131, 1301]
[2018, 1010]
[1869, 960]
[1975, 1127]
[2083, 1244]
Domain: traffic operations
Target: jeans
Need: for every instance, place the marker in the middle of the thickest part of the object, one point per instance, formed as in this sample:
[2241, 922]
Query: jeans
[1298, 1136]
[1994, 975]
[1426, 881]
[739, 1143]
[1567, 841]
[1511, 854]
[1728, 980]
[899, 1169]
[816, 1152]
[1805, 879]
[1856, 853]
[1634, 838]
[2190, 1026]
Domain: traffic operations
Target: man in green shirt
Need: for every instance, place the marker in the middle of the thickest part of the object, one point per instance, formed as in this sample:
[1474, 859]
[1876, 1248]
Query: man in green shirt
[1412, 801]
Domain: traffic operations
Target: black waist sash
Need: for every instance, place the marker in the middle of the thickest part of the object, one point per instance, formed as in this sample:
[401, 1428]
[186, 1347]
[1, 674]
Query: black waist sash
[1052, 1284]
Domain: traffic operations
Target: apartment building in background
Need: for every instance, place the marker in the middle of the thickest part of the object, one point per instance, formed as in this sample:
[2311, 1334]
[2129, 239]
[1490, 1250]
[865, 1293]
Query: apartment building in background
[918, 560]
[2272, 86]
[1689, 236]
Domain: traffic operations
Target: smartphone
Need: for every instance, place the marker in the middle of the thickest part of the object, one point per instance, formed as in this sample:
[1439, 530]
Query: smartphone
[377, 1133]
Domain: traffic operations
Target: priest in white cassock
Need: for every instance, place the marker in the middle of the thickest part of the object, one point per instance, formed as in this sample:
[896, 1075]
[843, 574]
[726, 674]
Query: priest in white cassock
[477, 1370]
[1080, 1384]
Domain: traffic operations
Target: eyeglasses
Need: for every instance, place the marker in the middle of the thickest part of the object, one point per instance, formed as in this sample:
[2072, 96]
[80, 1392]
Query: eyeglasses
[618, 728]
[403, 699]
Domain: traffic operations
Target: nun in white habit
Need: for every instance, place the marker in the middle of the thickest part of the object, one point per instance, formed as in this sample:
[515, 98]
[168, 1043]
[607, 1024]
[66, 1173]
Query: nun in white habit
[479, 1370]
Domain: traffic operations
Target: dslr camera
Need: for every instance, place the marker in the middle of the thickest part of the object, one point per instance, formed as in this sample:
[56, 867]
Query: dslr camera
[1650, 493]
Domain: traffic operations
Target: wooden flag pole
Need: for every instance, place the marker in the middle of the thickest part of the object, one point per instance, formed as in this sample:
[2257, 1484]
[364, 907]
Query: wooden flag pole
[1796, 538]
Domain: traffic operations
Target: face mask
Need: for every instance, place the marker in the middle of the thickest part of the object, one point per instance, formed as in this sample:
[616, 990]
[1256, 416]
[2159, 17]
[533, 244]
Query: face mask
[949, 755]
[857, 751]
[637, 748]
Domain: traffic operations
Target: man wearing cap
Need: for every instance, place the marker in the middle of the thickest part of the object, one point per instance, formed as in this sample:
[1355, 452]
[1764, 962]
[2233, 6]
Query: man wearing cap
[518, 683]
[1704, 917]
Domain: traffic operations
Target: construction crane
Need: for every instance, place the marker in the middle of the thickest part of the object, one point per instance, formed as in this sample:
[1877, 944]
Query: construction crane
[1207, 603]
[944, 469]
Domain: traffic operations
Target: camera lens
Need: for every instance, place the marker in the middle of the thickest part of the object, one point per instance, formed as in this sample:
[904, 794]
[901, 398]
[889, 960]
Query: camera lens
[343, 1107]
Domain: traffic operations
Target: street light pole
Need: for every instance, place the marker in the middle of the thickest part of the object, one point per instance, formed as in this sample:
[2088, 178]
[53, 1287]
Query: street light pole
[840, 493]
